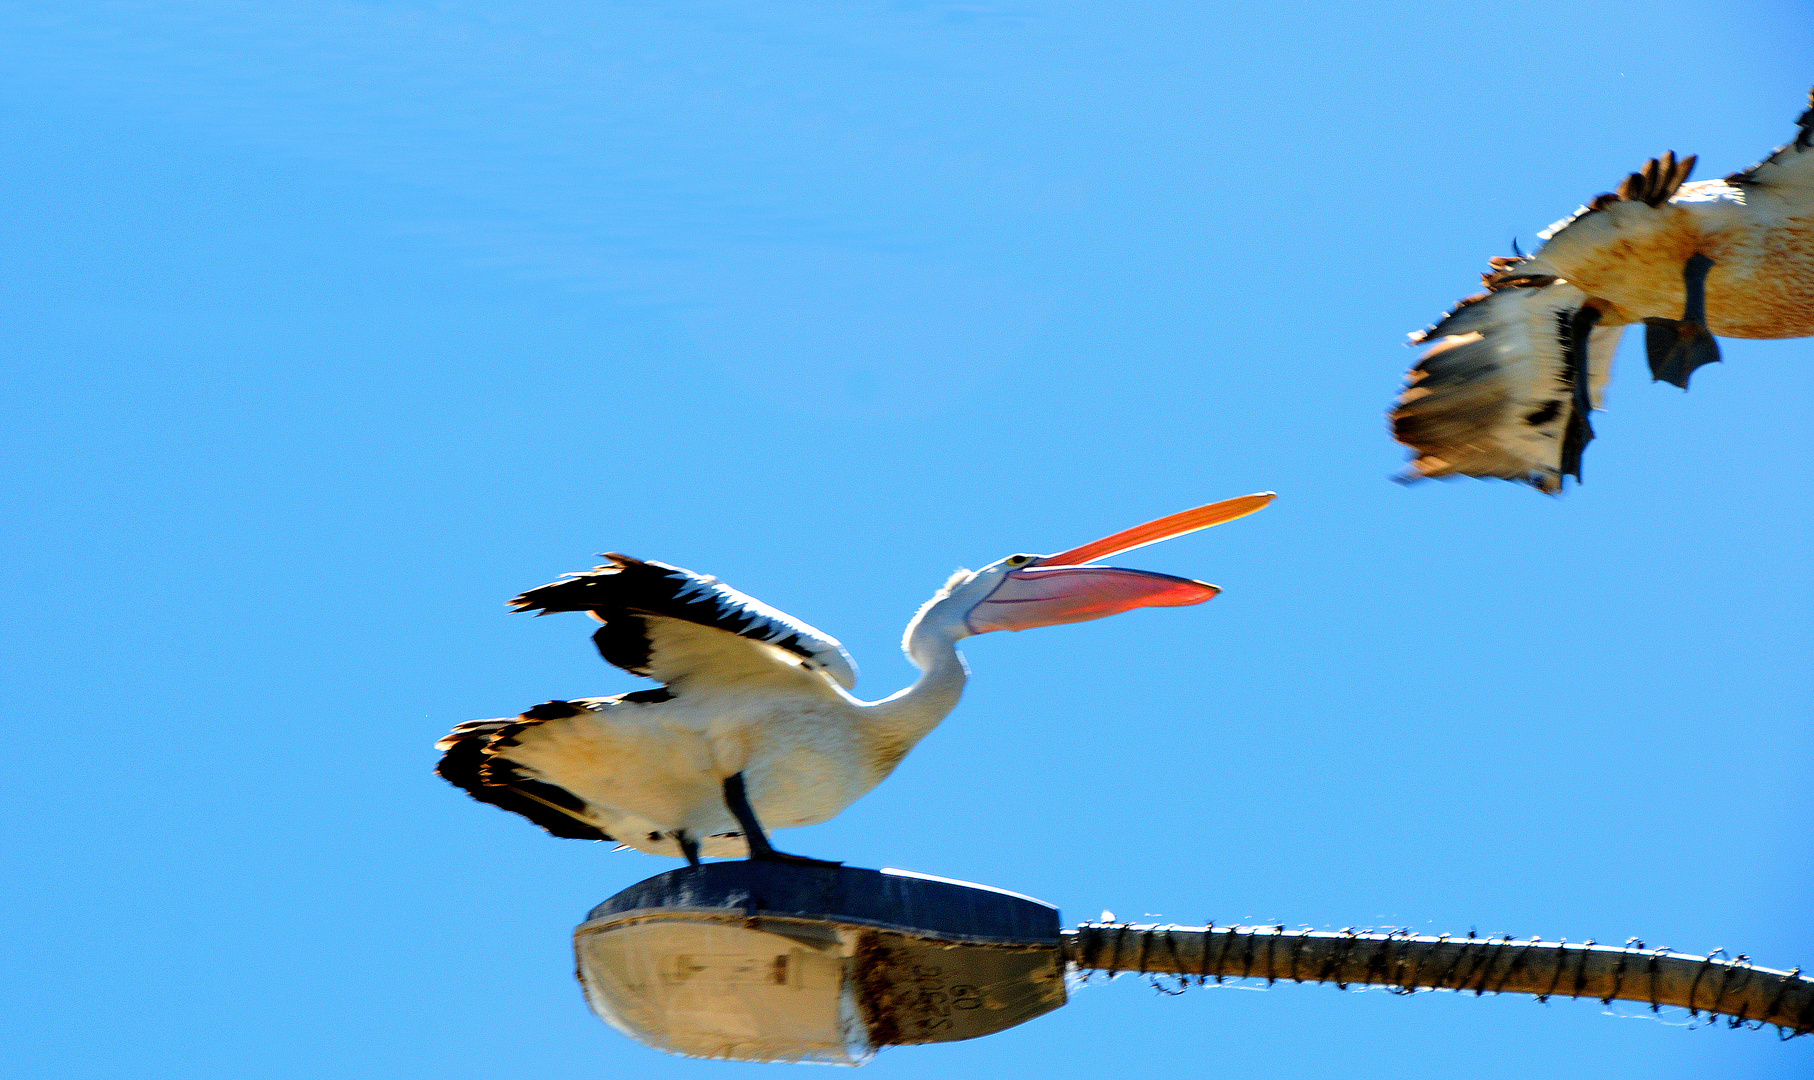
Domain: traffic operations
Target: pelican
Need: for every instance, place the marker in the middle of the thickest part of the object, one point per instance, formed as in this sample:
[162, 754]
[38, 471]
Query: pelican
[1514, 371]
[754, 726]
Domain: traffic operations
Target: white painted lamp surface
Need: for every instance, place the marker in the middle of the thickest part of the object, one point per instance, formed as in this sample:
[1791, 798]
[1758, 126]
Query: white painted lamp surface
[758, 961]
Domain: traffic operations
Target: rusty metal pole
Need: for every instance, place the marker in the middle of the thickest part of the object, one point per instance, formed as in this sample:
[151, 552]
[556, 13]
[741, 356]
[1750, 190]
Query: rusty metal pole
[1734, 988]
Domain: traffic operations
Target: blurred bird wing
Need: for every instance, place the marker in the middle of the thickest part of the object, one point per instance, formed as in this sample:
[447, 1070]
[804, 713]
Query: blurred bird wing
[1494, 396]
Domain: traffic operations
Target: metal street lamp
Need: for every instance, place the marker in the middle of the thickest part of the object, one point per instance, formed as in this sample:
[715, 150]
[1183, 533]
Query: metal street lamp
[764, 961]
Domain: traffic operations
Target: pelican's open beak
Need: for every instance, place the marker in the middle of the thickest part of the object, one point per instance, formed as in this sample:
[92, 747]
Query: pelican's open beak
[1057, 590]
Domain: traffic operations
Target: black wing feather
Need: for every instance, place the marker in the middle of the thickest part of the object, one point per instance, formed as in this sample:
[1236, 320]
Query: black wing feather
[471, 762]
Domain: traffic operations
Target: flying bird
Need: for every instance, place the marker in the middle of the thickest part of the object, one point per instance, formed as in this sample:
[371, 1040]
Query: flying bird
[754, 726]
[1507, 387]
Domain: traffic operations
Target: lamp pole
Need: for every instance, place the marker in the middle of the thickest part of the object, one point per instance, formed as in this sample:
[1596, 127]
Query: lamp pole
[1734, 988]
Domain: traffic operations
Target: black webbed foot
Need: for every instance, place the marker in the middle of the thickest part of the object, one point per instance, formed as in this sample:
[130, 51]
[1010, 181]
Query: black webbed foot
[688, 847]
[737, 799]
[1678, 346]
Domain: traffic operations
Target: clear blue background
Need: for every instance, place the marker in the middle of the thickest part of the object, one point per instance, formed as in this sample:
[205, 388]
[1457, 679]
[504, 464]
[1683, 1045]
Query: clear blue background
[336, 324]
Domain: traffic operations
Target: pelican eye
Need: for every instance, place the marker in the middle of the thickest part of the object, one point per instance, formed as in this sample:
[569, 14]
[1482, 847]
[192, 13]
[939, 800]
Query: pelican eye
[1019, 560]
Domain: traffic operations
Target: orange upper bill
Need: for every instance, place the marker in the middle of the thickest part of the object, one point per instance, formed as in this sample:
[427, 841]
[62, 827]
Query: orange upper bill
[1163, 529]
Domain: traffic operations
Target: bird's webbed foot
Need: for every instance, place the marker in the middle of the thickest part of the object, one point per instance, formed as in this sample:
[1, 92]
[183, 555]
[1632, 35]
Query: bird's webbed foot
[1676, 347]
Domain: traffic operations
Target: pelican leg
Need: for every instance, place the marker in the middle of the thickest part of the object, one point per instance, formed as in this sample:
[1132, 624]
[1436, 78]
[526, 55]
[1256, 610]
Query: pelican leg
[1580, 430]
[688, 847]
[738, 800]
[1677, 347]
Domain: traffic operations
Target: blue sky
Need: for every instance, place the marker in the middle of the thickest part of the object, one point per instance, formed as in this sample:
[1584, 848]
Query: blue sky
[336, 324]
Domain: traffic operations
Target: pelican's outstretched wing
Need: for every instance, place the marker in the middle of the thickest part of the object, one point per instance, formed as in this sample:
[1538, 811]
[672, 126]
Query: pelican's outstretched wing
[1496, 395]
[671, 624]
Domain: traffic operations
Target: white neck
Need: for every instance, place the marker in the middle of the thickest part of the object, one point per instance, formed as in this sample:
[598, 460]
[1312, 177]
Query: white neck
[901, 721]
